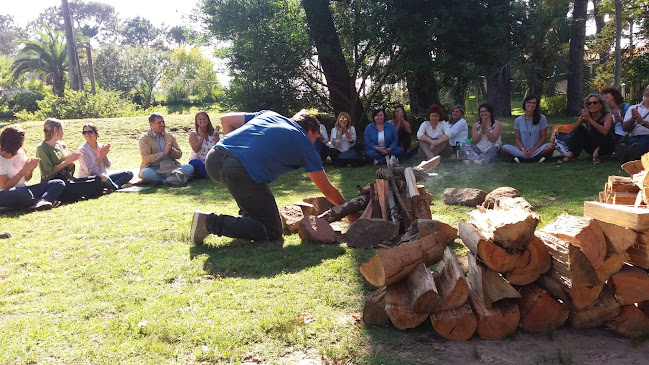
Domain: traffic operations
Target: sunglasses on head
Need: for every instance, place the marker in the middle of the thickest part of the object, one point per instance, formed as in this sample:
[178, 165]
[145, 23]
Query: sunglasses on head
[592, 102]
[87, 132]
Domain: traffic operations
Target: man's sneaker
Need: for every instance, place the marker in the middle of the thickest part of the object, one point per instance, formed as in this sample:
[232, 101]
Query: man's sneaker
[517, 160]
[541, 159]
[199, 228]
[41, 205]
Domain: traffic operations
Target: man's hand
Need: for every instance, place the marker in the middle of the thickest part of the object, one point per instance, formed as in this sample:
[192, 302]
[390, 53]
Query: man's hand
[167, 148]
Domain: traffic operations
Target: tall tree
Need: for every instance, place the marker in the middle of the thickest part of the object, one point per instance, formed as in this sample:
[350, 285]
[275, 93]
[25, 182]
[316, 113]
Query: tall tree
[498, 78]
[575, 89]
[618, 40]
[9, 32]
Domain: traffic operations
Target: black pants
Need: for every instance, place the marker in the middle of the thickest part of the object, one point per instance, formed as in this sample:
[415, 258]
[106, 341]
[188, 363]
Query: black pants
[260, 217]
[582, 139]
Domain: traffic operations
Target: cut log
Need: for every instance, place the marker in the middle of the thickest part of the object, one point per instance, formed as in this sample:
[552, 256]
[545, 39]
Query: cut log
[489, 284]
[639, 252]
[411, 182]
[618, 239]
[399, 308]
[510, 203]
[307, 208]
[352, 206]
[631, 322]
[451, 284]
[374, 309]
[624, 198]
[582, 232]
[621, 184]
[632, 167]
[584, 297]
[421, 206]
[539, 311]
[320, 203]
[503, 191]
[630, 285]
[603, 310]
[602, 197]
[496, 322]
[535, 261]
[370, 232]
[382, 189]
[636, 219]
[495, 257]
[422, 289]
[511, 229]
[432, 247]
[569, 264]
[612, 264]
[457, 324]
[421, 228]
[555, 288]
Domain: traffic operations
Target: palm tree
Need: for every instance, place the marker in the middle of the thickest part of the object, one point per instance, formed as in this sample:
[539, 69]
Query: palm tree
[45, 57]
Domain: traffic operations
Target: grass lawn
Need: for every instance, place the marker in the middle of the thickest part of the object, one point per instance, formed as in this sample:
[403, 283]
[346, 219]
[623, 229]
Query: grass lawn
[116, 280]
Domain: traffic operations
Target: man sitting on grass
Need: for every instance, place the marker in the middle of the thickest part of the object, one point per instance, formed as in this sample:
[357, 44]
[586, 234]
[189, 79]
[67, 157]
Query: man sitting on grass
[255, 150]
[157, 146]
[636, 122]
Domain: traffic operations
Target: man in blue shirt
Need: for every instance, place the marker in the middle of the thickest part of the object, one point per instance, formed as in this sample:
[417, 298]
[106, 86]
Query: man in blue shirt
[256, 149]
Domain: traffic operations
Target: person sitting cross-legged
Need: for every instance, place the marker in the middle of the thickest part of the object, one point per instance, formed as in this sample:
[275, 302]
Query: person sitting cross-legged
[531, 131]
[381, 139]
[94, 161]
[434, 135]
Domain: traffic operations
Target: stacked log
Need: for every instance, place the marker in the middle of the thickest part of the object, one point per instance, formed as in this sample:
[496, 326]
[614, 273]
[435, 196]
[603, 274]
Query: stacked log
[619, 190]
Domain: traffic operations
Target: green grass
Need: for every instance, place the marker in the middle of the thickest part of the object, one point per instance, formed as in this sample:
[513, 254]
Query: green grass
[115, 280]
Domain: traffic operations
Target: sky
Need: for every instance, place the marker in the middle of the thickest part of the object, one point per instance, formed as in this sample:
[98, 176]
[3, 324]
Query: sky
[170, 12]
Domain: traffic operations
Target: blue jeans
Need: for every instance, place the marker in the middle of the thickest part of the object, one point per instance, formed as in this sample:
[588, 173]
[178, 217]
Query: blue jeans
[372, 155]
[117, 179]
[199, 167]
[641, 140]
[26, 196]
[260, 217]
[150, 174]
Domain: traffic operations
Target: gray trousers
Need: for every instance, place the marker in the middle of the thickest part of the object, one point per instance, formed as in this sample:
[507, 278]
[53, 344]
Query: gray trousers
[442, 149]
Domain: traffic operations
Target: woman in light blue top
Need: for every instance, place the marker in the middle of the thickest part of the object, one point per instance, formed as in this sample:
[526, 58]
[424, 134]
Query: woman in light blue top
[531, 131]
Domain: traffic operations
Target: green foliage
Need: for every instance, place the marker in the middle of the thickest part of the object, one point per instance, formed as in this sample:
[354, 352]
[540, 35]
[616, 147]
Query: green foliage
[81, 104]
[554, 105]
[638, 71]
[189, 78]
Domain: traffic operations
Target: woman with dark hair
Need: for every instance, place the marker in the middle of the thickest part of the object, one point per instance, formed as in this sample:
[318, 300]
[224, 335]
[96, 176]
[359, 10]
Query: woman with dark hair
[531, 130]
[618, 109]
[94, 161]
[434, 134]
[201, 140]
[592, 132]
[16, 169]
[459, 127]
[404, 130]
[381, 139]
[485, 137]
[343, 142]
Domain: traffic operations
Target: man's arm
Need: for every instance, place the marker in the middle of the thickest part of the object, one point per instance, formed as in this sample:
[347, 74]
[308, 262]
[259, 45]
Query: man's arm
[148, 156]
[330, 192]
[232, 121]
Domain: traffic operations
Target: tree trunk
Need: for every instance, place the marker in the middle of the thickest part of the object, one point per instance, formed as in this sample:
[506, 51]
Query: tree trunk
[618, 39]
[576, 58]
[73, 59]
[498, 85]
[91, 70]
[420, 79]
[600, 23]
[342, 88]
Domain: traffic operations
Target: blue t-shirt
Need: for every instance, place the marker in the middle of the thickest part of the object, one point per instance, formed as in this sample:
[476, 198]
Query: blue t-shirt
[530, 133]
[269, 145]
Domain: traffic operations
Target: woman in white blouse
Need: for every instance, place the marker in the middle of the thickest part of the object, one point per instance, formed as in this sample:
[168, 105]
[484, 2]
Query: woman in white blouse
[343, 141]
[459, 127]
[202, 139]
[434, 135]
[94, 161]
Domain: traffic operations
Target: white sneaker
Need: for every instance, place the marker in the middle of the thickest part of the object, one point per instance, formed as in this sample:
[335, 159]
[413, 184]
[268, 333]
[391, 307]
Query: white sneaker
[517, 160]
[541, 159]
[199, 229]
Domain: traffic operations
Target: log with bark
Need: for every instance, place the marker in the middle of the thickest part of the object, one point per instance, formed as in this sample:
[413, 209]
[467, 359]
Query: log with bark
[639, 252]
[618, 239]
[451, 283]
[630, 285]
[632, 167]
[612, 264]
[540, 312]
[457, 324]
[535, 261]
[511, 229]
[570, 265]
[423, 292]
[495, 322]
[582, 232]
[399, 308]
[495, 257]
[490, 285]
[573, 298]
[350, 207]
[604, 309]
[374, 309]
[631, 322]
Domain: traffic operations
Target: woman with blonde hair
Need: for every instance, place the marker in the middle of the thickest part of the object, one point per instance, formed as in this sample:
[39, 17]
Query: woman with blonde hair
[343, 141]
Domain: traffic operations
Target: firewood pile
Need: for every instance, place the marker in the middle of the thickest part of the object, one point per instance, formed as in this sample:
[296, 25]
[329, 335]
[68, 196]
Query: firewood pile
[588, 271]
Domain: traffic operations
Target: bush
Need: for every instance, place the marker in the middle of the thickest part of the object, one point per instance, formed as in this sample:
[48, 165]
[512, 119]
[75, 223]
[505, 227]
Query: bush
[25, 101]
[82, 104]
[554, 105]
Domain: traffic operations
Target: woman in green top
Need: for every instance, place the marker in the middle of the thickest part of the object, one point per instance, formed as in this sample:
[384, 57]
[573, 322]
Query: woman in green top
[57, 162]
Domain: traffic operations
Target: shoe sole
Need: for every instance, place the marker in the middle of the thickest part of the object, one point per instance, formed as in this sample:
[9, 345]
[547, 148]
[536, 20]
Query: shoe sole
[194, 227]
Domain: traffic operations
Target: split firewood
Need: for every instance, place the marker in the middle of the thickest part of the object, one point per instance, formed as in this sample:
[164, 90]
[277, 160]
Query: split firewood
[604, 309]
[555, 288]
[421, 206]
[320, 203]
[582, 232]
[639, 252]
[411, 182]
[623, 198]
[618, 239]
[382, 192]
[632, 167]
[399, 308]
[510, 203]
[621, 184]
[503, 191]
[574, 299]
[570, 265]
[631, 322]
[636, 219]
[451, 284]
[350, 207]
[511, 229]
[495, 257]
[374, 309]
[630, 285]
[420, 171]
[540, 312]
[422, 290]
[421, 228]
[457, 324]
[612, 264]
[535, 261]
[495, 322]
[490, 285]
[644, 160]
[641, 180]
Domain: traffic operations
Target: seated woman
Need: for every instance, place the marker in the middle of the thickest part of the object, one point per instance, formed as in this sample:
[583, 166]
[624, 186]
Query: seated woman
[459, 128]
[404, 130]
[201, 140]
[485, 137]
[531, 130]
[381, 139]
[343, 142]
[95, 161]
[16, 169]
[434, 135]
[592, 132]
[618, 108]
[56, 162]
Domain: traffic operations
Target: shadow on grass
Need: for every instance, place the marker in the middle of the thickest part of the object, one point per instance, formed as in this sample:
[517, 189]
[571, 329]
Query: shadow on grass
[246, 259]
